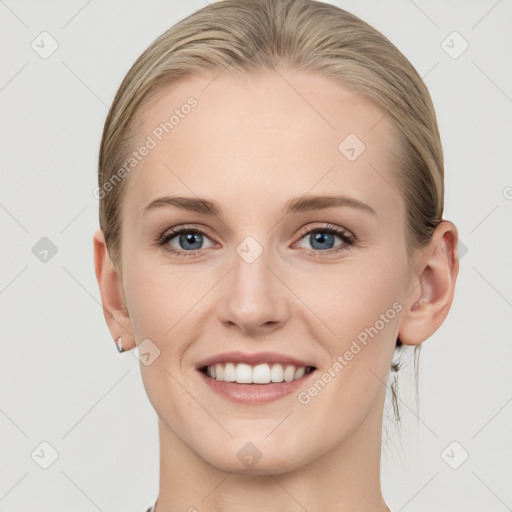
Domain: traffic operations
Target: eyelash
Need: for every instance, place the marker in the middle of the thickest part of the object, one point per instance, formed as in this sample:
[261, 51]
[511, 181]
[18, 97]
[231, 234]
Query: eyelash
[348, 239]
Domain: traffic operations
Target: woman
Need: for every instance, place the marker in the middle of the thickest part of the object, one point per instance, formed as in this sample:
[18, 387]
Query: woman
[271, 234]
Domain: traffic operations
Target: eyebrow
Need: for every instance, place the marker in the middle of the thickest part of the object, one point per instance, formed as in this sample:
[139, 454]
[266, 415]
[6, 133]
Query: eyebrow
[294, 205]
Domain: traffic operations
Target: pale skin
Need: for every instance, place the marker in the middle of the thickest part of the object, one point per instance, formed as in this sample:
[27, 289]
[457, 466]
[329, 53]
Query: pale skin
[251, 144]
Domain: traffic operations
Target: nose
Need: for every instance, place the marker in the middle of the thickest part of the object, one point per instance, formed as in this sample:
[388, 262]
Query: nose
[254, 299]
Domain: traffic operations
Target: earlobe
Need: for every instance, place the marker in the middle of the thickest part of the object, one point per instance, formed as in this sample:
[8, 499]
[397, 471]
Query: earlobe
[111, 291]
[433, 288]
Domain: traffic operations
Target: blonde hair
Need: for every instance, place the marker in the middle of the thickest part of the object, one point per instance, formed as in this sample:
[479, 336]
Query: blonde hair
[242, 36]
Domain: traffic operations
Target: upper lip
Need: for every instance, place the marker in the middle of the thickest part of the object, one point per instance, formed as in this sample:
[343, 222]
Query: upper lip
[252, 359]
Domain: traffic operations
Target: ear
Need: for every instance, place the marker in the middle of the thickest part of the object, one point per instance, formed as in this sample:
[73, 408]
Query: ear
[112, 293]
[433, 286]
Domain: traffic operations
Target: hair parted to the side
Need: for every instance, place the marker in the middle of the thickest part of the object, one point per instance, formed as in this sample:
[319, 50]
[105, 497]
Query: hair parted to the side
[244, 36]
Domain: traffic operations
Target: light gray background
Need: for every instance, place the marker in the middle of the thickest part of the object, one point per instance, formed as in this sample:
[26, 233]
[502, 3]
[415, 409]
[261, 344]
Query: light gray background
[62, 380]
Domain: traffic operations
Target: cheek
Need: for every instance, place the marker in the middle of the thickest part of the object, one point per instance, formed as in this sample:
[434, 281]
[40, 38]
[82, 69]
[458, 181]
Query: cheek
[361, 307]
[344, 299]
[155, 301]
[161, 310]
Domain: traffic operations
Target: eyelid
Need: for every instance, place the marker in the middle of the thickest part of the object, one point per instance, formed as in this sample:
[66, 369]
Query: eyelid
[329, 227]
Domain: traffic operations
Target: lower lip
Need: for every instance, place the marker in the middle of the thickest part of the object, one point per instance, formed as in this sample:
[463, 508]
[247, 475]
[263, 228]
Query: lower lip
[255, 393]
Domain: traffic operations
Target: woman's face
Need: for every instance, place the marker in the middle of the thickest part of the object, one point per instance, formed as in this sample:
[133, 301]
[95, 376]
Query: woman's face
[266, 275]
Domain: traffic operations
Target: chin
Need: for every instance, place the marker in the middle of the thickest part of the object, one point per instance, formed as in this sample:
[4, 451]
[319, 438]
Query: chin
[247, 458]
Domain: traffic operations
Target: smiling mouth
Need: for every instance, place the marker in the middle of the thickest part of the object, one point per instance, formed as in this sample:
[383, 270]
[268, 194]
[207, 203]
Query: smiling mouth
[242, 373]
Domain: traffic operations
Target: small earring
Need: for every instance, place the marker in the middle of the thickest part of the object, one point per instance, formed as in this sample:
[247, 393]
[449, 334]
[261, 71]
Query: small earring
[120, 344]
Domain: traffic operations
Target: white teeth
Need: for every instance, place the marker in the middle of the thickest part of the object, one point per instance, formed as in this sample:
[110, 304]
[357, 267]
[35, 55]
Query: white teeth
[243, 373]
[276, 374]
[229, 372]
[259, 374]
[299, 372]
[289, 373]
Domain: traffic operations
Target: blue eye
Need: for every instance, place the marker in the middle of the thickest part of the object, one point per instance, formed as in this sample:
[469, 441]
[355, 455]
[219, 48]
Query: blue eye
[190, 240]
[323, 239]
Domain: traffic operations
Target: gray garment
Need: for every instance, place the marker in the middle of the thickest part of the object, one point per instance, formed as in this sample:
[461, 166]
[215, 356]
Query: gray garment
[152, 509]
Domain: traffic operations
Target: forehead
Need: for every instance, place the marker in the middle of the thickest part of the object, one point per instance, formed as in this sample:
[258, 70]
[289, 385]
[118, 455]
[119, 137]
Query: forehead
[280, 132]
